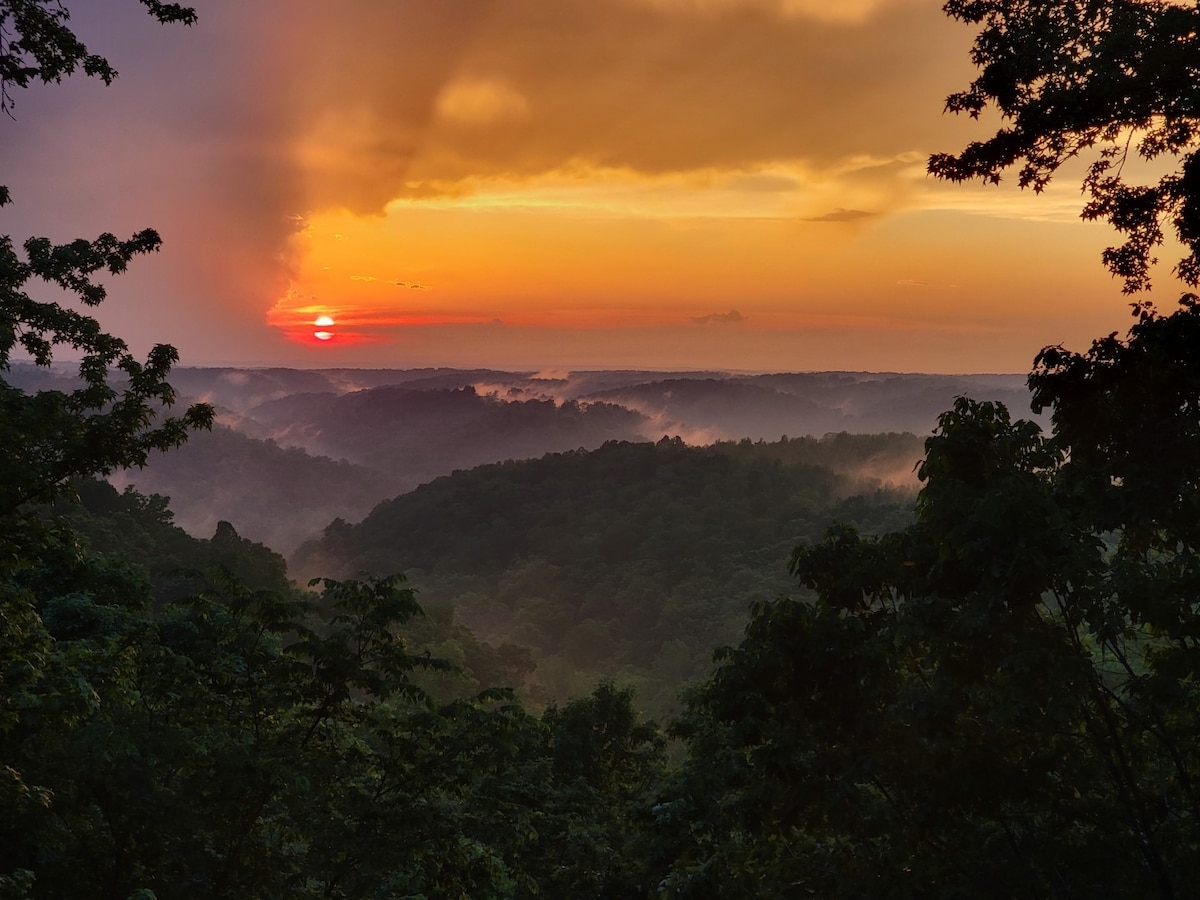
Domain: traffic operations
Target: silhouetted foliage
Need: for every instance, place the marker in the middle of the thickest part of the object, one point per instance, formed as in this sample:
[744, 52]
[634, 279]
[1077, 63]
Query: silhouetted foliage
[51, 437]
[1074, 78]
[37, 44]
[999, 700]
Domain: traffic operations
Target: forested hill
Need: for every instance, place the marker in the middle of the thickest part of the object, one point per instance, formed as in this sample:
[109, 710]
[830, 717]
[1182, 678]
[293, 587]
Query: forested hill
[139, 530]
[635, 558]
[281, 496]
[422, 434]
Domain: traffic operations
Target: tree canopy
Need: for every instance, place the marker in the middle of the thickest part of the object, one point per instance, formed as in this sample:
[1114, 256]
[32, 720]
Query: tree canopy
[117, 416]
[1112, 83]
[999, 700]
[38, 44]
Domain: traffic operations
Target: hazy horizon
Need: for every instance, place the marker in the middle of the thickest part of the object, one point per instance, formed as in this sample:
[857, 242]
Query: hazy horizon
[65, 363]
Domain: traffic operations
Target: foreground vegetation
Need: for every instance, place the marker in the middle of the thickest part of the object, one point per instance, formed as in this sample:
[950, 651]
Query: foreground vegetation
[990, 701]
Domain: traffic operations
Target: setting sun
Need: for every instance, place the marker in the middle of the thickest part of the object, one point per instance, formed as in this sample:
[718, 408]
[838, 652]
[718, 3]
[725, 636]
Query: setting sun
[323, 321]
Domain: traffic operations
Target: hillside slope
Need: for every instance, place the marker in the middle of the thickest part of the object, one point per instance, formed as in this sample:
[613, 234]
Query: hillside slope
[634, 559]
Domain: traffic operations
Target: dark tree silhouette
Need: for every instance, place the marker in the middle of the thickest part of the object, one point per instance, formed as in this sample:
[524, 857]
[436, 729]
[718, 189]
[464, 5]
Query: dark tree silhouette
[1113, 83]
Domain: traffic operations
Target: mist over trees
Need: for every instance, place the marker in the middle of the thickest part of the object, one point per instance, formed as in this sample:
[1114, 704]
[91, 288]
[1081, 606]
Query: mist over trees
[281, 496]
[391, 431]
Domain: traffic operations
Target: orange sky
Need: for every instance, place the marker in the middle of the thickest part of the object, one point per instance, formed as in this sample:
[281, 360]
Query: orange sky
[733, 184]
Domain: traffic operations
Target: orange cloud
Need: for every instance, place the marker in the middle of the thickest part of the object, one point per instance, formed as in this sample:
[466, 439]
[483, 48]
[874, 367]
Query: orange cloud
[522, 88]
[481, 102]
[841, 12]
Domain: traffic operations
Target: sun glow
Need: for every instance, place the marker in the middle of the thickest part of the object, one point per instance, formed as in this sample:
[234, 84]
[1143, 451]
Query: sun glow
[323, 321]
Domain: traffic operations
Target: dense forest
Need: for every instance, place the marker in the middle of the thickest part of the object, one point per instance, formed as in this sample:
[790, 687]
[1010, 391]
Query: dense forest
[633, 560]
[991, 691]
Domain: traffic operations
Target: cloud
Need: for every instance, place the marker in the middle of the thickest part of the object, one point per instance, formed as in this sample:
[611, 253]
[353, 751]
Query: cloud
[842, 215]
[480, 102]
[399, 99]
[764, 182]
[776, 189]
[835, 11]
[720, 318]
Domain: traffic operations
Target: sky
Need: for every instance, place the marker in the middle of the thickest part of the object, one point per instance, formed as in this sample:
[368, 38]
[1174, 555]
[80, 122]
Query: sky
[553, 184]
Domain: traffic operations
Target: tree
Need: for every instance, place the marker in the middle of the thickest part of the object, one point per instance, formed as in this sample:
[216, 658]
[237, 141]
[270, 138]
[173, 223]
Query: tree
[1113, 81]
[115, 418]
[37, 44]
[52, 437]
[237, 743]
[998, 701]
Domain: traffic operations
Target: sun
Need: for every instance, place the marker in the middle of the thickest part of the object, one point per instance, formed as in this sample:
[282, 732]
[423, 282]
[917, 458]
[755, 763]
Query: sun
[323, 322]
